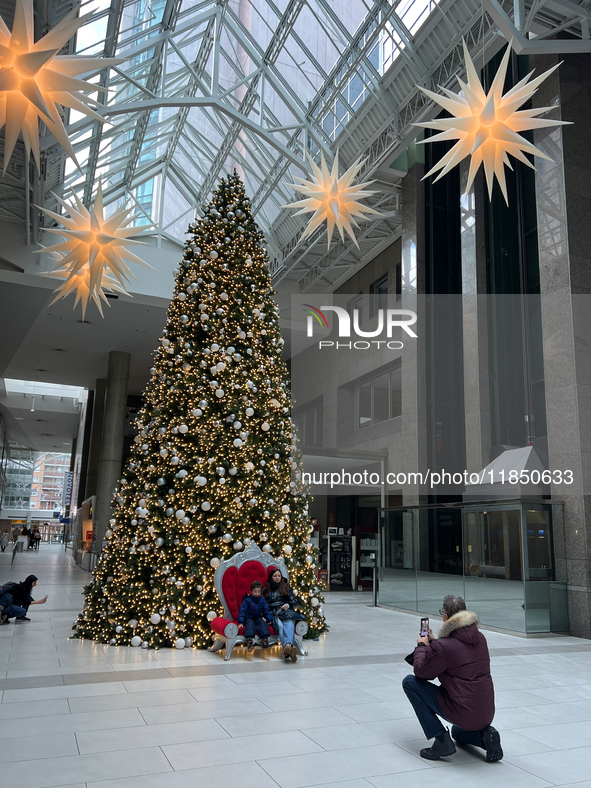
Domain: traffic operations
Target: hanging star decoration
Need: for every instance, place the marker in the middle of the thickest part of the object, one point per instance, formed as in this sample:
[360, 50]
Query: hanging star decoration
[332, 199]
[487, 125]
[92, 258]
[34, 80]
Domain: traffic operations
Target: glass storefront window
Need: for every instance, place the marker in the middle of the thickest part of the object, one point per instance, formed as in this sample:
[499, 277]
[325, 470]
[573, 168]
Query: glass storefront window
[500, 557]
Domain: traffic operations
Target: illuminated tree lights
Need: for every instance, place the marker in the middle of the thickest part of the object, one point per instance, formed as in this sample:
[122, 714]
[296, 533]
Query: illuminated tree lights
[215, 464]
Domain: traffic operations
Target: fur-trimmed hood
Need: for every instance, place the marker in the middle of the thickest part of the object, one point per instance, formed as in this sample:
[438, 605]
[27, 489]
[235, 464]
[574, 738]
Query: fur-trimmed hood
[461, 620]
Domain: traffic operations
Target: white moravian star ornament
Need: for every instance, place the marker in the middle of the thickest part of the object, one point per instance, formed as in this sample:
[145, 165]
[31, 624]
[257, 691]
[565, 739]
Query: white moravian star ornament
[35, 80]
[93, 256]
[332, 199]
[487, 125]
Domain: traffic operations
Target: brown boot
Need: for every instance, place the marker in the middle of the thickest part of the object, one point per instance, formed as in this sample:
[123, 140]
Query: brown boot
[287, 650]
[294, 654]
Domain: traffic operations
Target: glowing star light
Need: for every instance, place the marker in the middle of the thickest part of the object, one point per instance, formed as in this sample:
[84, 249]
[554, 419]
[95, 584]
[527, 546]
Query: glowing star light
[332, 199]
[34, 80]
[94, 251]
[487, 126]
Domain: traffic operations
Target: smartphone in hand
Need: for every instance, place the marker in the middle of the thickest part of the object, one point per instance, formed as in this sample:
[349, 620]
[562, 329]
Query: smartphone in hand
[424, 627]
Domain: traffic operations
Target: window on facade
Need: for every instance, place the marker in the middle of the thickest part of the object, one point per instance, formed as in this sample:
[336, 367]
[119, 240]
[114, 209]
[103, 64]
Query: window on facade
[380, 399]
[309, 424]
[379, 289]
[356, 303]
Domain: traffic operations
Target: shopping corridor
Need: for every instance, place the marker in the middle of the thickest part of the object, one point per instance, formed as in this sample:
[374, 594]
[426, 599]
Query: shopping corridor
[74, 713]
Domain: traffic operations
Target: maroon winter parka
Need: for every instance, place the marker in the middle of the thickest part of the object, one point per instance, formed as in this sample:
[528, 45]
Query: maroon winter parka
[459, 659]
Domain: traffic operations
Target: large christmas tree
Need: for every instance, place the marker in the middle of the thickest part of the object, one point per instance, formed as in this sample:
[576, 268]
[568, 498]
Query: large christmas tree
[214, 465]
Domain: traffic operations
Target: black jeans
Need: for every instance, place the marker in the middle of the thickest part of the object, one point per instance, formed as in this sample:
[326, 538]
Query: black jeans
[256, 626]
[423, 696]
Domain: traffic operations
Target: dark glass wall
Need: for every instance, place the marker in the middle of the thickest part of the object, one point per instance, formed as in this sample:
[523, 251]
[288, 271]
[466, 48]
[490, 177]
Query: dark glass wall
[518, 410]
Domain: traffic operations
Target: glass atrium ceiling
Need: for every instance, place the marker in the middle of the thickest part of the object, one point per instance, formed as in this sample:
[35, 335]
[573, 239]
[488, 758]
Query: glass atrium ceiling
[206, 86]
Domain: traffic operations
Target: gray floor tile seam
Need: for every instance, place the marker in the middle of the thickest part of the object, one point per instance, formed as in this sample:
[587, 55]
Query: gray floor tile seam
[225, 669]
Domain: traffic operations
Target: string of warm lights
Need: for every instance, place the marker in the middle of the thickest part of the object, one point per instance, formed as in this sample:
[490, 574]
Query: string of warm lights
[215, 462]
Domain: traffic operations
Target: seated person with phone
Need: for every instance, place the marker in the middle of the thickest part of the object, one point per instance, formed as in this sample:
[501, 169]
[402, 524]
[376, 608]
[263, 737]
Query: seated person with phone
[459, 659]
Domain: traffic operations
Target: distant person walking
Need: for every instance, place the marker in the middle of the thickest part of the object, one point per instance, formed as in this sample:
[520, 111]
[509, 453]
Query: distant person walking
[4, 539]
[35, 538]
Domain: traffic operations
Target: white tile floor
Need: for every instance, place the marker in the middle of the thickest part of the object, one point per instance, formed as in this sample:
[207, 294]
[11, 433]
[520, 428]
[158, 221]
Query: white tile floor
[77, 714]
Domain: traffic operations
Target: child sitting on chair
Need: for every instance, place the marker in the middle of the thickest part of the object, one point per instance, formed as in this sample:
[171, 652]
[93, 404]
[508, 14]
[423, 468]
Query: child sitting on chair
[255, 615]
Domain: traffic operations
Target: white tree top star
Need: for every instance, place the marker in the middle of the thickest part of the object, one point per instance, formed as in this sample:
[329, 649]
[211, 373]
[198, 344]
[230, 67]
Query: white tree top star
[487, 125]
[34, 80]
[332, 199]
[94, 253]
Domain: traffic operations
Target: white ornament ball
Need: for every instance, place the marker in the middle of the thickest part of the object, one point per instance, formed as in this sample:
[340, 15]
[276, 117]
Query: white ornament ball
[211, 615]
[182, 473]
[201, 480]
[188, 642]
[215, 562]
[197, 412]
[213, 254]
[266, 426]
[183, 428]
[227, 538]
[249, 412]
[188, 550]
[119, 630]
[132, 623]
[179, 514]
[112, 642]
[174, 460]
[206, 506]
[112, 521]
[134, 522]
[314, 602]
[145, 644]
[219, 393]
[309, 559]
[159, 542]
[180, 643]
[237, 443]
[287, 549]
[285, 509]
[136, 641]
[237, 545]
[224, 296]
[155, 618]
[266, 548]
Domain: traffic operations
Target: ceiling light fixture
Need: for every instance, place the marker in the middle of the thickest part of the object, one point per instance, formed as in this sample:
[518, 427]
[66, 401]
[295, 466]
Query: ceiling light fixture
[332, 199]
[486, 125]
[92, 258]
[35, 80]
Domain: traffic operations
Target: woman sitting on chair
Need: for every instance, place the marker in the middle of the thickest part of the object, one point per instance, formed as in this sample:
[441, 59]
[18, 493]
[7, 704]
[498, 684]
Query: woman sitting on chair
[282, 602]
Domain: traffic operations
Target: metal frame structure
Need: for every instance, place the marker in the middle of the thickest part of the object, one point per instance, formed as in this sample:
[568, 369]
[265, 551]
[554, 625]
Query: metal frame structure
[206, 86]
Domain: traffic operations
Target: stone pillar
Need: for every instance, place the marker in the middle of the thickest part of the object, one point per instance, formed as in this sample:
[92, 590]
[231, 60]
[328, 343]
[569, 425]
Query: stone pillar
[563, 194]
[112, 440]
[474, 320]
[96, 434]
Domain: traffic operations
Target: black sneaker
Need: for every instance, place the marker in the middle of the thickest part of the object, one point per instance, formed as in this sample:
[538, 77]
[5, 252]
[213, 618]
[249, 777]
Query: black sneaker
[23, 618]
[439, 749]
[491, 741]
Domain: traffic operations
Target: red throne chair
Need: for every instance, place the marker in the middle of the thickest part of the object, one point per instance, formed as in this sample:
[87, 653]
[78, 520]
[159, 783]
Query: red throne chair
[232, 580]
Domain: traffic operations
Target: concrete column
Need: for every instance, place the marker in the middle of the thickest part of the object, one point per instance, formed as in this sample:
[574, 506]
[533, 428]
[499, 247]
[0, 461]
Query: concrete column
[96, 434]
[474, 319]
[563, 194]
[112, 440]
